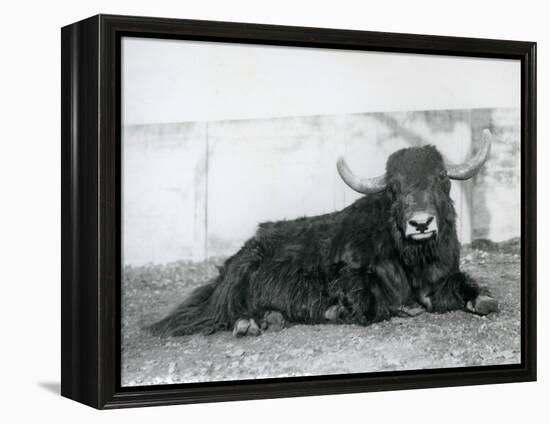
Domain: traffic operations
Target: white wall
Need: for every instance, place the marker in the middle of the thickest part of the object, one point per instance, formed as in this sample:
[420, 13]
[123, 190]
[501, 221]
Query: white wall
[197, 190]
[30, 248]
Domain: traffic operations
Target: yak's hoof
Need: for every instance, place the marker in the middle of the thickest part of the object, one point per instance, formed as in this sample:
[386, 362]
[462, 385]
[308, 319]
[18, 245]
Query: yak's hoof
[246, 327]
[426, 301]
[273, 321]
[482, 305]
[411, 311]
[334, 313]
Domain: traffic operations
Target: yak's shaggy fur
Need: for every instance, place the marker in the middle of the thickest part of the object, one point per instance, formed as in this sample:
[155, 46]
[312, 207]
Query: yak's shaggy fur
[357, 258]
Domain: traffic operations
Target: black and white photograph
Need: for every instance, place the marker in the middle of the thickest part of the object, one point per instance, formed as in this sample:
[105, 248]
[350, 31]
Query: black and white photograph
[298, 212]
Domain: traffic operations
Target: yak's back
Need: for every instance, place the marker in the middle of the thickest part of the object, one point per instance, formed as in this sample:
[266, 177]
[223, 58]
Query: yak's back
[318, 241]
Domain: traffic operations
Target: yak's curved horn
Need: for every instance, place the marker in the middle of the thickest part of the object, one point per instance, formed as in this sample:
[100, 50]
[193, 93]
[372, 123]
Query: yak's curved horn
[361, 185]
[467, 170]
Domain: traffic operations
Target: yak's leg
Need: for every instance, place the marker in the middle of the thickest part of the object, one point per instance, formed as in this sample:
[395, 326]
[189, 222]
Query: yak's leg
[272, 321]
[362, 298]
[335, 313]
[412, 310]
[483, 304]
[460, 291]
[246, 327]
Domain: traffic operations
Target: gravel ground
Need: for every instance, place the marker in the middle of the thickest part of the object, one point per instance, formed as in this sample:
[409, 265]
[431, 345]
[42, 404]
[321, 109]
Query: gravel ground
[454, 339]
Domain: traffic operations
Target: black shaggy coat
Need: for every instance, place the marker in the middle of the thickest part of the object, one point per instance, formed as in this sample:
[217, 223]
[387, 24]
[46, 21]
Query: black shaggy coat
[357, 258]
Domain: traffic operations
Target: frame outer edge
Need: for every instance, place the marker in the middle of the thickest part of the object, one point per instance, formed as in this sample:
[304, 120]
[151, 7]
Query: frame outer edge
[530, 318]
[80, 306]
[68, 358]
[90, 174]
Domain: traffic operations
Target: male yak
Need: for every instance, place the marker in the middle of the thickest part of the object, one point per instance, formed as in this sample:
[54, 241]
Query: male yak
[393, 252]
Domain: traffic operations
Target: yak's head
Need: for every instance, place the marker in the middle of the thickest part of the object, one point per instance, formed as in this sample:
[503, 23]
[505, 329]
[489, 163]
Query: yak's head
[418, 182]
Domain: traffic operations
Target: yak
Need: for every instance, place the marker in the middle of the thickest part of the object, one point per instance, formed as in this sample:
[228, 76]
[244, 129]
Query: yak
[393, 252]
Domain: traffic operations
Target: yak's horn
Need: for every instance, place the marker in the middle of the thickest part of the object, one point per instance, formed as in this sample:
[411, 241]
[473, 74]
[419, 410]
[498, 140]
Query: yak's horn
[467, 170]
[361, 185]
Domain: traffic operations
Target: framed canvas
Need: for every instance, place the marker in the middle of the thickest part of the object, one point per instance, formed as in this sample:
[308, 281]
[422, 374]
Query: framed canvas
[254, 211]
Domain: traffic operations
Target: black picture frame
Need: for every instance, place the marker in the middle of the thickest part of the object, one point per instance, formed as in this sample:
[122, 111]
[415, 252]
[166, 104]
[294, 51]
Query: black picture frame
[91, 205]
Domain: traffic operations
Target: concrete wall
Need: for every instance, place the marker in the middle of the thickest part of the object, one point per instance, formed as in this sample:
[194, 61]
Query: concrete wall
[195, 190]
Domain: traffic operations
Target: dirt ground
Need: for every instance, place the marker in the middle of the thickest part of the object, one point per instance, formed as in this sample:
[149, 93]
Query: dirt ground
[453, 339]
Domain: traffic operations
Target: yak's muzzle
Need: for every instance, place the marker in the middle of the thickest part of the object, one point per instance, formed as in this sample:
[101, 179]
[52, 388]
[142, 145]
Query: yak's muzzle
[421, 226]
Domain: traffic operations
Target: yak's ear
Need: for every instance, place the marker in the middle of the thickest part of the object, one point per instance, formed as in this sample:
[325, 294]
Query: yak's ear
[392, 188]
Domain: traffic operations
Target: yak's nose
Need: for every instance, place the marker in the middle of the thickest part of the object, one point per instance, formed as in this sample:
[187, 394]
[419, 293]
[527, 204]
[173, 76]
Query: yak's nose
[421, 221]
[421, 226]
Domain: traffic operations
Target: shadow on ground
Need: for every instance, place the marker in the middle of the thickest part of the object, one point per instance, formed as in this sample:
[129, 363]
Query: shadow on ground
[454, 339]
[51, 386]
